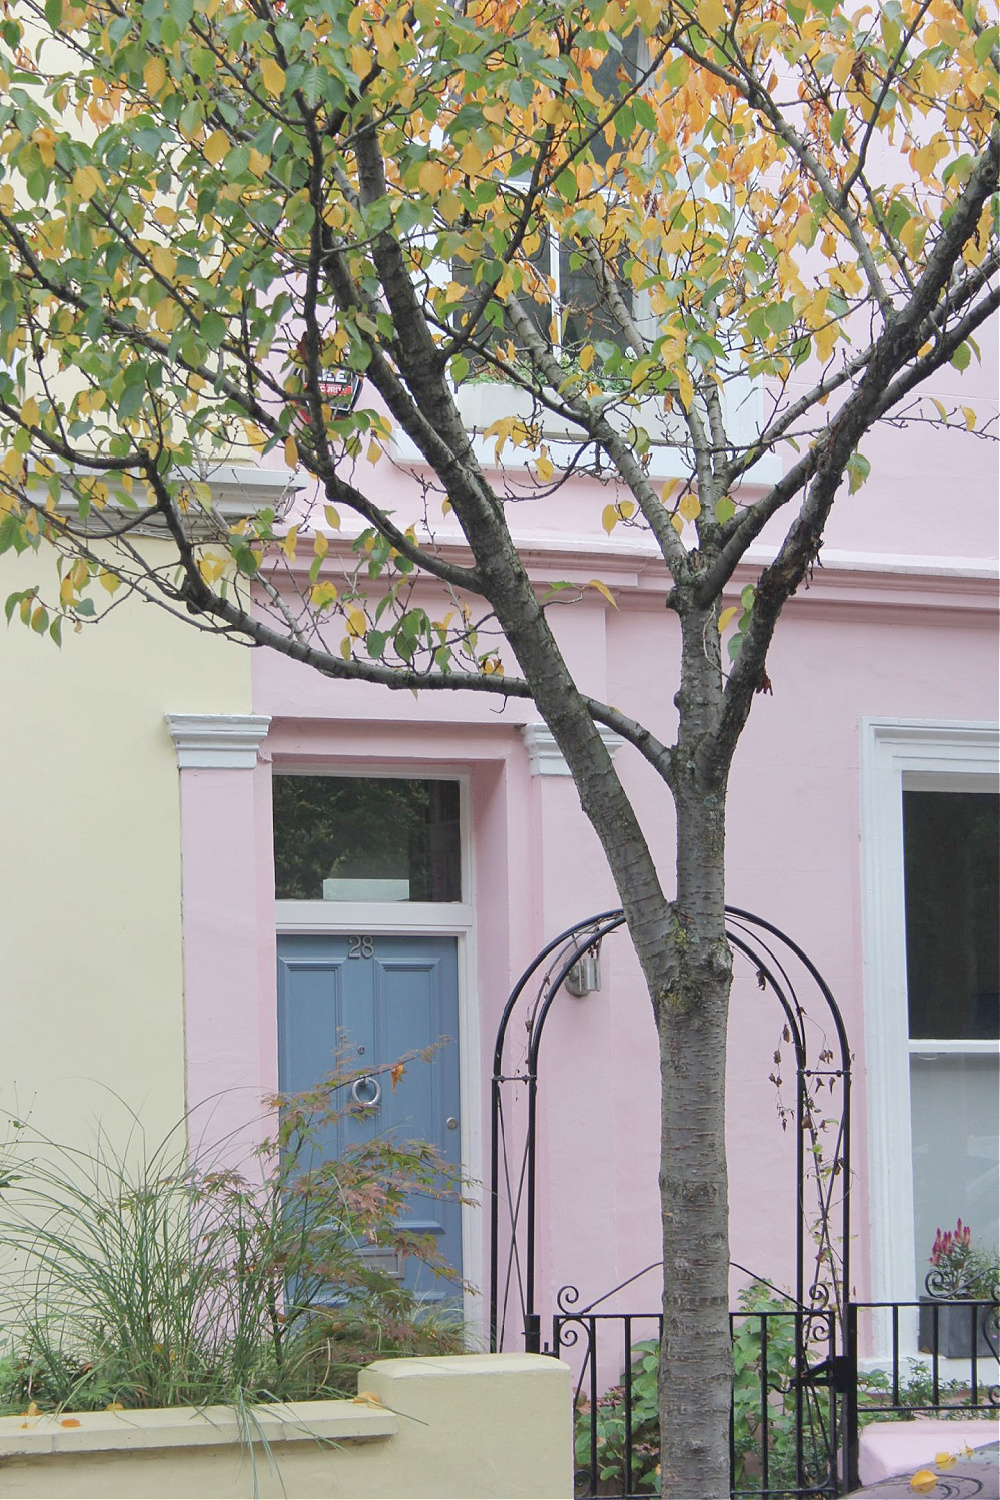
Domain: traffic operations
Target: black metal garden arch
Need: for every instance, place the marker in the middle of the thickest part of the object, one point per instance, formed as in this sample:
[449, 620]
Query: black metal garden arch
[822, 1166]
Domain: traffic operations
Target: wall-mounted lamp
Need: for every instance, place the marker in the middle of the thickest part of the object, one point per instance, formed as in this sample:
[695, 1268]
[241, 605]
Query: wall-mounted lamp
[585, 975]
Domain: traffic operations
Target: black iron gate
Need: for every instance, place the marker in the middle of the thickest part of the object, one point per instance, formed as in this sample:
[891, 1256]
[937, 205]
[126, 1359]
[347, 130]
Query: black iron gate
[786, 1427]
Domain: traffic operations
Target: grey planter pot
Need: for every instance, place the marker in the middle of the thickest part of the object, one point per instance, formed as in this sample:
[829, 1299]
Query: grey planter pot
[955, 1322]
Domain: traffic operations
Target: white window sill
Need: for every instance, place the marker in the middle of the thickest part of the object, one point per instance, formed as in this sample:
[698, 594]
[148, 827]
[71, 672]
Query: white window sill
[373, 916]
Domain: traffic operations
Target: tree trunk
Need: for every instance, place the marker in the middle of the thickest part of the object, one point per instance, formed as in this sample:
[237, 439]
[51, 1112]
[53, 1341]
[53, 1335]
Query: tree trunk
[696, 1352]
[692, 1008]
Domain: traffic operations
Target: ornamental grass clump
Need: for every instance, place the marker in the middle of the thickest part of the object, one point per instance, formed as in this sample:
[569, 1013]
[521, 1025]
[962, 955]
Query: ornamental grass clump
[140, 1278]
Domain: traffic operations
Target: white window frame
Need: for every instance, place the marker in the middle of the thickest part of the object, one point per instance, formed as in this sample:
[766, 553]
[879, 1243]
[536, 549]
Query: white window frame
[428, 919]
[483, 402]
[898, 755]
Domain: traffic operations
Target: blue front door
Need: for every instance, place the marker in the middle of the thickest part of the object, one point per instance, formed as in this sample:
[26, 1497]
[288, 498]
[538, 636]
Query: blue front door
[372, 1000]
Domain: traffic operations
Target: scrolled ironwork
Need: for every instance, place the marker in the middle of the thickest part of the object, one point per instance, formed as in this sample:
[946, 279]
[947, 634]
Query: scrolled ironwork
[945, 1283]
[566, 1298]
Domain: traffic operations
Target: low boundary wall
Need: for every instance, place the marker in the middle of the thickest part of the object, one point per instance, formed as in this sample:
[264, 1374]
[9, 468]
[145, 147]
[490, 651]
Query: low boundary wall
[469, 1425]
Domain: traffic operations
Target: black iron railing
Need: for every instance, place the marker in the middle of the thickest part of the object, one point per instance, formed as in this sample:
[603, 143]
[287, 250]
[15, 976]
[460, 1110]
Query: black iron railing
[941, 1360]
[783, 1428]
[799, 1401]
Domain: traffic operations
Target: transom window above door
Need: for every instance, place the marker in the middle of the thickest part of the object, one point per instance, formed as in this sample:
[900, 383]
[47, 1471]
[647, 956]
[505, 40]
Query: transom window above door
[366, 838]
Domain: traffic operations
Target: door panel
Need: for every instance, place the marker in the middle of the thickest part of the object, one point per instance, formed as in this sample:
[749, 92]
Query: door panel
[372, 1002]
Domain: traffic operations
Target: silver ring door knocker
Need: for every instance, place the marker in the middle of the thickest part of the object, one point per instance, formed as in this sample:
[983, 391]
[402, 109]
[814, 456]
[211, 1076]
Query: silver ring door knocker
[366, 1091]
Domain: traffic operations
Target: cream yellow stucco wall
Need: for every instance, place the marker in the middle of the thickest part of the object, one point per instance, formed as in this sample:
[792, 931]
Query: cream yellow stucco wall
[91, 994]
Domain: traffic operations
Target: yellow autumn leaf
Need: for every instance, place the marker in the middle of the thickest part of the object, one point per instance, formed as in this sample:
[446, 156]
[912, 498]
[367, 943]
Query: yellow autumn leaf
[945, 1460]
[431, 177]
[471, 160]
[690, 507]
[109, 580]
[272, 76]
[727, 616]
[154, 75]
[291, 451]
[30, 414]
[373, 452]
[86, 182]
[259, 163]
[677, 522]
[586, 357]
[167, 315]
[684, 385]
[332, 517]
[544, 467]
[712, 17]
[842, 66]
[602, 588]
[970, 417]
[357, 625]
[321, 544]
[369, 1398]
[923, 1482]
[216, 147]
[323, 594]
[288, 545]
[610, 518]
[163, 261]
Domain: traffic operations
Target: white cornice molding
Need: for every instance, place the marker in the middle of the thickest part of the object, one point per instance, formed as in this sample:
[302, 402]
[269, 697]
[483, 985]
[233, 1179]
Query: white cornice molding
[220, 741]
[544, 756]
[634, 571]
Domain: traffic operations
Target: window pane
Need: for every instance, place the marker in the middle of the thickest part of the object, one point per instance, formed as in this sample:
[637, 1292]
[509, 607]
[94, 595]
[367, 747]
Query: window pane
[956, 1148]
[355, 838]
[952, 906]
[586, 317]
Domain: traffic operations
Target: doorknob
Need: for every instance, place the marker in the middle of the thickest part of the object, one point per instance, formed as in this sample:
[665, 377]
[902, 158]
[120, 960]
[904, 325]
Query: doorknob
[451, 1122]
[366, 1091]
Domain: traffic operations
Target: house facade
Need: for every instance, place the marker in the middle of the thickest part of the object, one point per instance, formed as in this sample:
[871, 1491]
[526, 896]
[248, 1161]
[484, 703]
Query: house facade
[225, 871]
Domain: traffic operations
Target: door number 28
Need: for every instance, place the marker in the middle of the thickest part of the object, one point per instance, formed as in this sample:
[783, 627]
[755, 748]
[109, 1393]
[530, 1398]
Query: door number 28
[361, 947]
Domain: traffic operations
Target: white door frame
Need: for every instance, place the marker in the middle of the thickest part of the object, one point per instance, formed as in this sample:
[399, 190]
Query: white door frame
[425, 919]
[918, 755]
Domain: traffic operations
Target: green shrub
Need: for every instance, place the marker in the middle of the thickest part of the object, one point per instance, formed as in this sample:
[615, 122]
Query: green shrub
[141, 1279]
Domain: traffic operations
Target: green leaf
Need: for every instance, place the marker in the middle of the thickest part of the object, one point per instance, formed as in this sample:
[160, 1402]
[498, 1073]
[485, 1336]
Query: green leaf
[213, 329]
[779, 317]
[962, 357]
[725, 509]
[858, 469]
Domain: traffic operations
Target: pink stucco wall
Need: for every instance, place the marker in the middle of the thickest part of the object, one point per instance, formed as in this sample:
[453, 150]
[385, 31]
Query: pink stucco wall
[900, 622]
